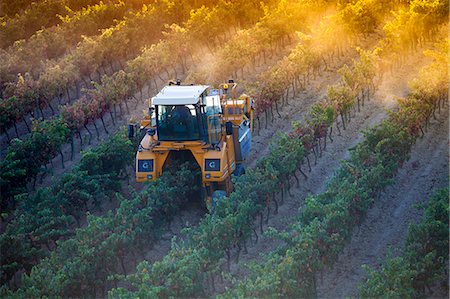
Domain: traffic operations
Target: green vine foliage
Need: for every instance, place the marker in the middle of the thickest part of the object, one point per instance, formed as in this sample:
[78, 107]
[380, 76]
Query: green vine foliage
[326, 220]
[100, 249]
[423, 262]
[45, 217]
[232, 224]
[189, 266]
[25, 158]
[314, 241]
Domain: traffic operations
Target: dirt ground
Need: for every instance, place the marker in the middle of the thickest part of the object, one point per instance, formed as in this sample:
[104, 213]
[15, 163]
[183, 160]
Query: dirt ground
[55, 169]
[388, 219]
[391, 86]
[373, 112]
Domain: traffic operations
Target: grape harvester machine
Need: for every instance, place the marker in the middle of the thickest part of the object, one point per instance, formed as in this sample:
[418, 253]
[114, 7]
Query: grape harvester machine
[209, 125]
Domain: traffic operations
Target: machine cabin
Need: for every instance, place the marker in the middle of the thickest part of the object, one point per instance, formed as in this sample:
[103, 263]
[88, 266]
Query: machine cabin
[213, 125]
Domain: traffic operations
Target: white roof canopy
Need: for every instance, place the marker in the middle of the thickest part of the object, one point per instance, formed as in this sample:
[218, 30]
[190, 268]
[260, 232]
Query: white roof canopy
[179, 95]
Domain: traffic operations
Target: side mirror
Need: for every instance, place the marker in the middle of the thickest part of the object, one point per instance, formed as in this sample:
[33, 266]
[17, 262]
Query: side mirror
[229, 128]
[130, 131]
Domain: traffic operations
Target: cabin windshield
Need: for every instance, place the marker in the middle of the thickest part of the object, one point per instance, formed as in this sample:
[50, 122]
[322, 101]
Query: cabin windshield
[180, 123]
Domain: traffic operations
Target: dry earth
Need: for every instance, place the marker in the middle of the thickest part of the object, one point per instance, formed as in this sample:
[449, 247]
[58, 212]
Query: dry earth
[191, 214]
[372, 113]
[55, 169]
[386, 232]
[392, 85]
[387, 221]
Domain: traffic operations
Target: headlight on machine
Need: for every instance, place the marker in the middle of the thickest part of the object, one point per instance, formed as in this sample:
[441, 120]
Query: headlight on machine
[145, 165]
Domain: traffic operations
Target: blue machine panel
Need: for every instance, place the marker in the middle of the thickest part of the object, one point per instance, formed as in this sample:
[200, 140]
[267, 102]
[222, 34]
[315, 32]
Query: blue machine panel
[212, 164]
[145, 165]
[245, 140]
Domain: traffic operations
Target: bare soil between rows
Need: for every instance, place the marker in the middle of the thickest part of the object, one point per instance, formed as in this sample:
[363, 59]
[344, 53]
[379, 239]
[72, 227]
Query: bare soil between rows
[385, 227]
[391, 86]
[190, 215]
[373, 112]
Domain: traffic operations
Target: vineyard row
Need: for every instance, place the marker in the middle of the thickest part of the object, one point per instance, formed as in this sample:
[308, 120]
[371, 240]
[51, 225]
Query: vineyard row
[93, 56]
[325, 224]
[48, 136]
[422, 264]
[316, 119]
[326, 220]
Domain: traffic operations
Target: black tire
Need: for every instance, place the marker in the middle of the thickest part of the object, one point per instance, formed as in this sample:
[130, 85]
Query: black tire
[240, 170]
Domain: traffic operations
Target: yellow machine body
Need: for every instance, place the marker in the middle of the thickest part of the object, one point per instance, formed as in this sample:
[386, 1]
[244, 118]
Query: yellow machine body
[225, 142]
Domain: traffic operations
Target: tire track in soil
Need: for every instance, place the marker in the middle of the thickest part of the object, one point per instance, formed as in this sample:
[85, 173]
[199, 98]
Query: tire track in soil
[387, 221]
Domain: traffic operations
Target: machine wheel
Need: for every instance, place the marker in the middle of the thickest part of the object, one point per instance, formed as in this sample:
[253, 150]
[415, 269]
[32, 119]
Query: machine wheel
[217, 196]
[240, 170]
